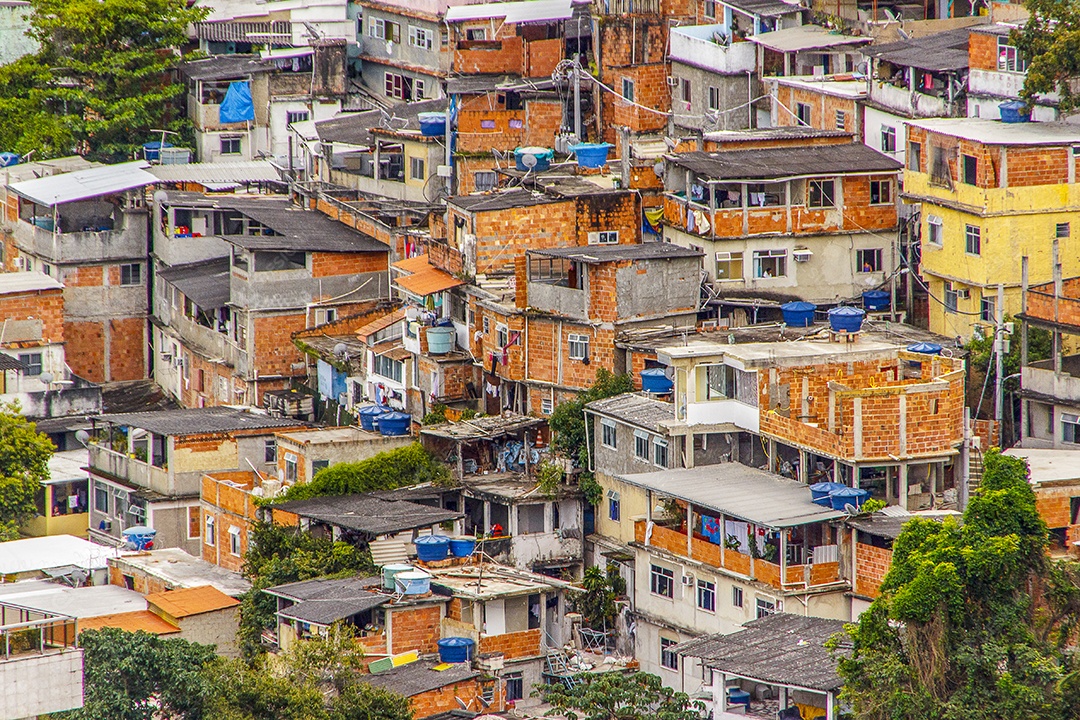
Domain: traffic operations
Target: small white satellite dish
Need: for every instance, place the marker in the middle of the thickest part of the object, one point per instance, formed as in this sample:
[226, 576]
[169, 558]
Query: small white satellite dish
[46, 377]
[82, 436]
[528, 160]
[671, 144]
[658, 168]
[340, 350]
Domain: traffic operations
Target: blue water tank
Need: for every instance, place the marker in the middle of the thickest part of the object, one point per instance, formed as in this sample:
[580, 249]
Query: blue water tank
[876, 300]
[369, 414]
[543, 157]
[139, 537]
[655, 380]
[395, 423]
[152, 150]
[432, 548]
[440, 340]
[7, 159]
[848, 496]
[798, 313]
[1014, 111]
[591, 155]
[926, 348]
[455, 649]
[432, 124]
[820, 492]
[462, 547]
[846, 319]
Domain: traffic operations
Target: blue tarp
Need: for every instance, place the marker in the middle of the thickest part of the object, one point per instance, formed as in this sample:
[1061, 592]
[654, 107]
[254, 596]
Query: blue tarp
[331, 381]
[237, 105]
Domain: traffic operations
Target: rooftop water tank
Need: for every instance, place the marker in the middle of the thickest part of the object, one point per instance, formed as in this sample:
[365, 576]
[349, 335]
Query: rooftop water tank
[389, 572]
[846, 319]
[455, 649]
[440, 340]
[414, 582]
[139, 537]
[876, 300]
[394, 423]
[432, 548]
[591, 155]
[462, 547]
[655, 380]
[369, 414]
[152, 150]
[7, 159]
[432, 124]
[843, 497]
[820, 492]
[1014, 111]
[541, 161]
[798, 313]
[926, 348]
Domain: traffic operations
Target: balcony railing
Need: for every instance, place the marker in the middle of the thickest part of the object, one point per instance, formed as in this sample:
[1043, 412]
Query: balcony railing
[781, 577]
[130, 469]
[695, 46]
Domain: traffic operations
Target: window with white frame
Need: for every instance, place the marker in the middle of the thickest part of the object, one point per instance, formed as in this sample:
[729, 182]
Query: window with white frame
[270, 450]
[708, 9]
[802, 112]
[888, 139]
[295, 116]
[209, 536]
[546, 406]
[234, 541]
[662, 581]
[822, 194]
[641, 445]
[388, 367]
[868, 260]
[385, 30]
[765, 606]
[502, 335]
[325, 315]
[668, 657]
[604, 237]
[628, 89]
[417, 168]
[230, 146]
[1070, 428]
[706, 595]
[614, 506]
[1009, 57]
[770, 263]
[881, 192]
[420, 37]
[660, 454]
[101, 498]
[988, 309]
[736, 596]
[934, 233]
[952, 297]
[579, 346]
[476, 34]
[729, 266]
[719, 382]
[608, 433]
[291, 461]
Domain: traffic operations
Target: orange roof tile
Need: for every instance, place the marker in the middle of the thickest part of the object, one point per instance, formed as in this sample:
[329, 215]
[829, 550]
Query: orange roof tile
[384, 322]
[143, 620]
[413, 264]
[191, 601]
[423, 279]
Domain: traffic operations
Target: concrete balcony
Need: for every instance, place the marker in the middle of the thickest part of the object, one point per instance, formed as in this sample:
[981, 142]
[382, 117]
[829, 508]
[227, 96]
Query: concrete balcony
[122, 243]
[1041, 378]
[130, 470]
[695, 46]
[905, 102]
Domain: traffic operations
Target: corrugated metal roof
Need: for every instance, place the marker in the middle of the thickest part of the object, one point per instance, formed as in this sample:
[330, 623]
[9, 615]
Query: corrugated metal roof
[8, 362]
[634, 409]
[369, 514]
[192, 601]
[786, 162]
[419, 677]
[738, 491]
[204, 283]
[596, 254]
[805, 37]
[197, 421]
[218, 172]
[19, 282]
[140, 620]
[939, 52]
[526, 11]
[85, 184]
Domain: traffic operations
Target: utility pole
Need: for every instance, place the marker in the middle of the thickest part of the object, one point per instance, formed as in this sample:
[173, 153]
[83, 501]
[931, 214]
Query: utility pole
[577, 96]
[999, 345]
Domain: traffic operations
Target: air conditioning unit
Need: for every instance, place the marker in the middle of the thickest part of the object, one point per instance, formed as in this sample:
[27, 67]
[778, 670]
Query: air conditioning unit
[105, 525]
[166, 356]
[20, 263]
[801, 255]
[672, 80]
[687, 579]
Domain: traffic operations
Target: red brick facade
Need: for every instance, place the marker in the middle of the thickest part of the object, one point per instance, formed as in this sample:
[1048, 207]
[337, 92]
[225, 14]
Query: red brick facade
[871, 565]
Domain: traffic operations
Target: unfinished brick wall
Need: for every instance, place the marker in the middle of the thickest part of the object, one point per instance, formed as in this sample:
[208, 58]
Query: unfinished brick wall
[415, 628]
[823, 109]
[1054, 504]
[633, 47]
[522, 644]
[84, 349]
[143, 583]
[445, 699]
[325, 264]
[1065, 310]
[982, 51]
[44, 305]
[871, 566]
[274, 350]
[1038, 165]
[128, 344]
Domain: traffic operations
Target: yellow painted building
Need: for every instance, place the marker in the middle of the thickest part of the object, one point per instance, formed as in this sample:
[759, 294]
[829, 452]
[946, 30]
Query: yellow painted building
[63, 499]
[991, 193]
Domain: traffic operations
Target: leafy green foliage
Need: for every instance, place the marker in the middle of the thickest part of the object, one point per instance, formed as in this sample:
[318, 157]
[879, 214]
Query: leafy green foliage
[24, 463]
[396, 468]
[278, 555]
[981, 349]
[138, 676]
[955, 633]
[1049, 41]
[435, 416]
[101, 80]
[619, 696]
[596, 600]
[549, 476]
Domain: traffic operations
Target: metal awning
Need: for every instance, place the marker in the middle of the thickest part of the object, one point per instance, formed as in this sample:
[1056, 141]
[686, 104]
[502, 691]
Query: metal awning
[287, 54]
[514, 12]
[85, 184]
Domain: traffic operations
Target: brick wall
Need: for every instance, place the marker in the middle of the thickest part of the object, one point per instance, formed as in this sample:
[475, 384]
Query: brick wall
[446, 698]
[44, 305]
[143, 583]
[1041, 304]
[324, 264]
[274, 350]
[871, 565]
[522, 644]
[85, 276]
[85, 349]
[415, 628]
[633, 47]
[1038, 165]
[982, 51]
[127, 349]
[823, 108]
[714, 145]
[1054, 504]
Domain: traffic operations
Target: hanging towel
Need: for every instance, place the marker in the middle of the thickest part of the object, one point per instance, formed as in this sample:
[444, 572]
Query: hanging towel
[701, 220]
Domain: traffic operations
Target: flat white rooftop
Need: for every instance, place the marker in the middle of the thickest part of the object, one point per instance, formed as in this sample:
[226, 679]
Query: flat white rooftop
[995, 132]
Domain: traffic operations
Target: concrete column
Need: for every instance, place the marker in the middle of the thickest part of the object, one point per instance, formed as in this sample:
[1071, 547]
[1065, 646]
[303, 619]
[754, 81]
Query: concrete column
[804, 471]
[903, 499]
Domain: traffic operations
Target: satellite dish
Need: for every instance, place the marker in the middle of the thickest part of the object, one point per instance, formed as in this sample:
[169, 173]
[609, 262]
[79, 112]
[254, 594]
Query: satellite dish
[671, 144]
[160, 196]
[46, 377]
[82, 436]
[658, 168]
[528, 160]
[340, 350]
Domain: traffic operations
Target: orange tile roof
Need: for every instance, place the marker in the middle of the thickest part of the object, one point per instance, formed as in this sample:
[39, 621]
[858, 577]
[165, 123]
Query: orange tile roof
[423, 278]
[143, 620]
[384, 322]
[191, 601]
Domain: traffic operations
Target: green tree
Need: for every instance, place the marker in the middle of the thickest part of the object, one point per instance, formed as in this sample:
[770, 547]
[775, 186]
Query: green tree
[102, 79]
[396, 468]
[596, 600]
[1049, 41]
[981, 350]
[619, 696]
[954, 633]
[571, 434]
[138, 676]
[24, 464]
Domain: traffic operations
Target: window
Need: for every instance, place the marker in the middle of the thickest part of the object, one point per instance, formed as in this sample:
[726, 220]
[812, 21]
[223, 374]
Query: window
[614, 506]
[604, 237]
[765, 607]
[607, 431]
[668, 657]
[476, 34]
[869, 261]
[660, 456]
[515, 686]
[933, 230]
[502, 335]
[385, 30]
[770, 263]
[914, 157]
[951, 298]
[270, 450]
[377, 28]
[719, 382]
[420, 37]
[628, 89]
[234, 541]
[416, 168]
[266, 261]
[230, 146]
[709, 9]
[1070, 428]
[388, 367]
[641, 445]
[736, 597]
[418, 90]
[295, 116]
[684, 90]
[969, 166]
[131, 274]
[1062, 230]
[987, 309]
[325, 315]
[546, 406]
[317, 465]
[888, 139]
[194, 515]
[32, 361]
[880, 192]
[484, 180]
[662, 581]
[841, 120]
[714, 98]
[290, 467]
[973, 239]
[209, 537]
[706, 596]
[530, 519]
[822, 194]
[802, 112]
[101, 498]
[1009, 58]
[487, 325]
[729, 266]
[394, 85]
[579, 347]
